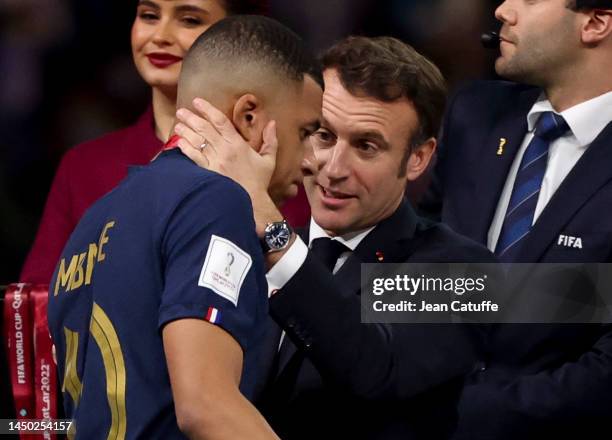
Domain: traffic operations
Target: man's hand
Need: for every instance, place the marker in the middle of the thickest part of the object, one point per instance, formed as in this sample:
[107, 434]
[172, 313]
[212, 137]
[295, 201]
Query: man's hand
[210, 139]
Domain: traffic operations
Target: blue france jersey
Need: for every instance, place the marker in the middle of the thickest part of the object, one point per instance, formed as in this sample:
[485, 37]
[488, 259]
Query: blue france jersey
[172, 241]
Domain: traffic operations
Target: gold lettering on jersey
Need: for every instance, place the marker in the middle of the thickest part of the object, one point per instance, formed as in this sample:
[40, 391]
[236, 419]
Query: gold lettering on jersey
[79, 270]
[71, 383]
[76, 280]
[103, 240]
[91, 260]
[106, 337]
[65, 275]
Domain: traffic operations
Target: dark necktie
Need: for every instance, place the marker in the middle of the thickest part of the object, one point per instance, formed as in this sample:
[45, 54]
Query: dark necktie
[524, 198]
[327, 251]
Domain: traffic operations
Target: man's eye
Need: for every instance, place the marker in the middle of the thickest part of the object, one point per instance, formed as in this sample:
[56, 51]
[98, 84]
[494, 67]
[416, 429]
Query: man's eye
[322, 137]
[366, 146]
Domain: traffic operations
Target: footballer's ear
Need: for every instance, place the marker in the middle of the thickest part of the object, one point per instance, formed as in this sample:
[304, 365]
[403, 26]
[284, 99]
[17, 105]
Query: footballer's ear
[250, 118]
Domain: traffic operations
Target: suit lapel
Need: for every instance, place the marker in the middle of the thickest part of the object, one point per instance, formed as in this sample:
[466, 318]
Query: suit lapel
[496, 157]
[384, 241]
[590, 173]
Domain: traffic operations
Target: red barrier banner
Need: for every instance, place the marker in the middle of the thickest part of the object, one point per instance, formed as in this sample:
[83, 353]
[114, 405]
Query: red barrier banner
[18, 331]
[45, 370]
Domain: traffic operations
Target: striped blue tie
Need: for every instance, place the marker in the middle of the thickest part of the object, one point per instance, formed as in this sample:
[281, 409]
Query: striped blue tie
[524, 198]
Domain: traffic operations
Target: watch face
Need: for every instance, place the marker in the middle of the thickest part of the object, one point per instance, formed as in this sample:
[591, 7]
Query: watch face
[277, 235]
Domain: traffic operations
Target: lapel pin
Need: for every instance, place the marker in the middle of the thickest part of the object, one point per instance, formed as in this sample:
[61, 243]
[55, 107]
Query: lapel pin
[380, 256]
[502, 144]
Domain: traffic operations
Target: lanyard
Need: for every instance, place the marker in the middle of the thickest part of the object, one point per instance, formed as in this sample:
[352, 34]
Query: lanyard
[18, 331]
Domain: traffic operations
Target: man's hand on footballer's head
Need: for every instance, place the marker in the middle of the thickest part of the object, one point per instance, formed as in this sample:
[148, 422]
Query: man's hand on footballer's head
[210, 139]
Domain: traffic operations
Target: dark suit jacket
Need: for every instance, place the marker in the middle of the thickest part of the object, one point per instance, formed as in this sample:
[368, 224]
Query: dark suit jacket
[366, 381]
[550, 381]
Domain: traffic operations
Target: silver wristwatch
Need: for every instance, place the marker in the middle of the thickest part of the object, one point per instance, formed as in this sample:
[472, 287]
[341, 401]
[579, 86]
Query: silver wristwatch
[277, 236]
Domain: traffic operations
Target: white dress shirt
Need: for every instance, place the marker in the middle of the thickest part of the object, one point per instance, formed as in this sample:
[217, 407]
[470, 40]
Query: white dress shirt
[586, 120]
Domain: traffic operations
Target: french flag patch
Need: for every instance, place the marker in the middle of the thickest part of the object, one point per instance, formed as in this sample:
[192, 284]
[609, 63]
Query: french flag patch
[213, 315]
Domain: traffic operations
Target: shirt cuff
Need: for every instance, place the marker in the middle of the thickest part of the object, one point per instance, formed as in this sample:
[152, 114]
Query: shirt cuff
[287, 266]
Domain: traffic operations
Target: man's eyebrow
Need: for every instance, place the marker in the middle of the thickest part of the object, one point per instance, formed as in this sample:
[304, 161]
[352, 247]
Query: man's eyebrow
[324, 123]
[372, 135]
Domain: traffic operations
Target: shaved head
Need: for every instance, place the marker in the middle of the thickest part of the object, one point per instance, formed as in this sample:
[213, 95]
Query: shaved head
[244, 54]
[255, 70]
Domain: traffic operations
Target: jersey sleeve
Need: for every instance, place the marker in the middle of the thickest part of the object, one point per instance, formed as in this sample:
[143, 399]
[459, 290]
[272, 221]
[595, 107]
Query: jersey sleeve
[212, 261]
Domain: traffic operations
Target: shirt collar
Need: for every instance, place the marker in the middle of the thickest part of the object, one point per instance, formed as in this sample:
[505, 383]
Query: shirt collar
[586, 120]
[350, 240]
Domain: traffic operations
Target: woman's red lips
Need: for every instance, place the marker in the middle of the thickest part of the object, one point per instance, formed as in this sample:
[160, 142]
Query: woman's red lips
[163, 60]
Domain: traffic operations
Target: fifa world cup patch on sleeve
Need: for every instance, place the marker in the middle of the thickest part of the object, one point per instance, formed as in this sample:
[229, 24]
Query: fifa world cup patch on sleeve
[225, 268]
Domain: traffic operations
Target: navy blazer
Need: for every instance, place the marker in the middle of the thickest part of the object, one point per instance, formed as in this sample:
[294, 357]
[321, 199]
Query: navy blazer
[371, 381]
[551, 381]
